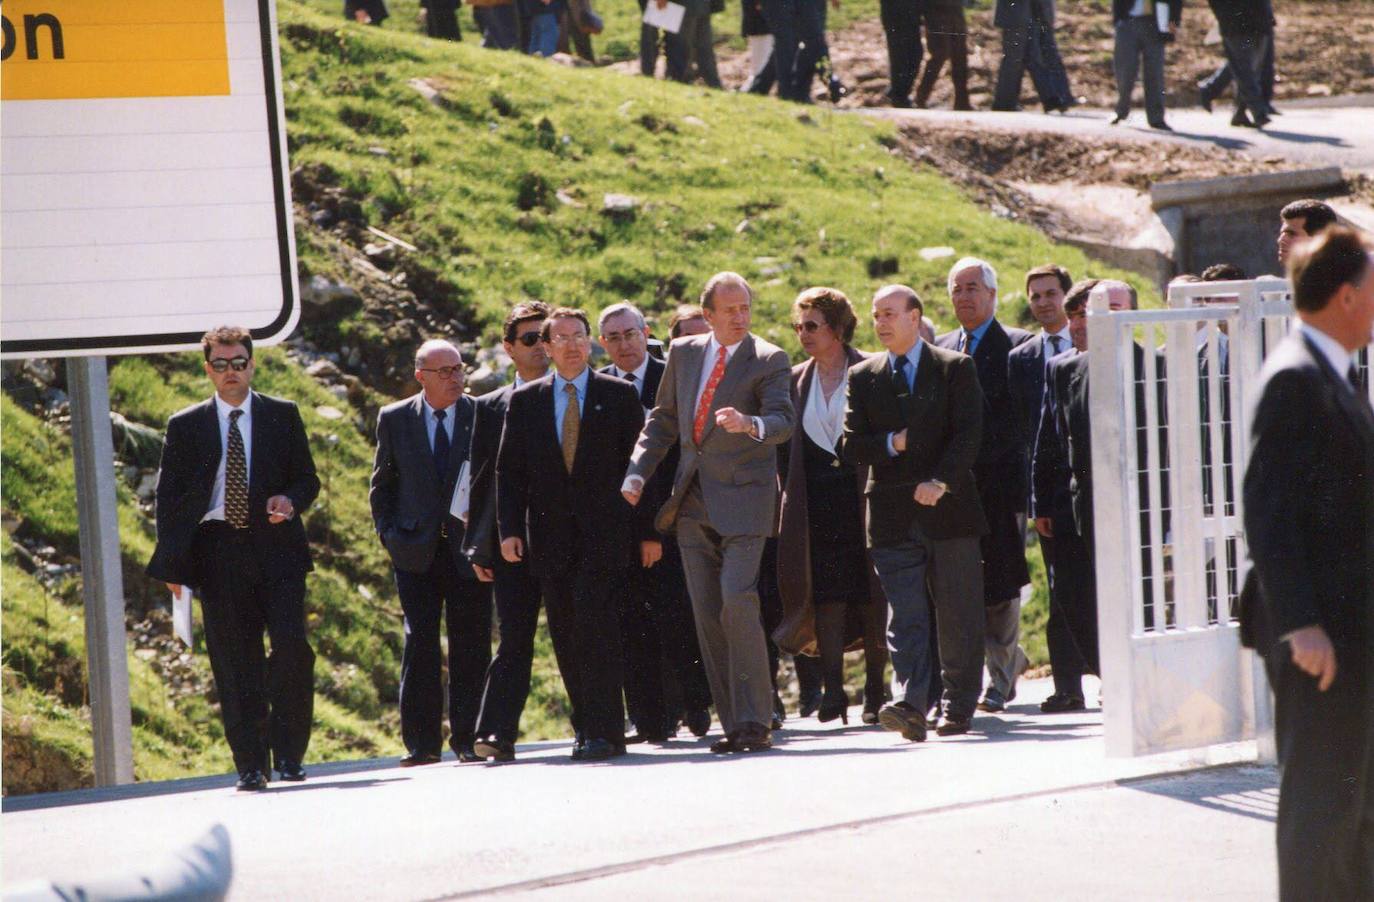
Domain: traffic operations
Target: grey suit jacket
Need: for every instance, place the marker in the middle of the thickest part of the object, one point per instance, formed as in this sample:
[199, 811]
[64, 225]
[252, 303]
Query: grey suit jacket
[739, 476]
[409, 498]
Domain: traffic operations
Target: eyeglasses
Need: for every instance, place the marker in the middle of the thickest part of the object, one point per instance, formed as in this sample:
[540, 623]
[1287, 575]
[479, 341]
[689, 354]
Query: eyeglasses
[569, 339]
[616, 338]
[809, 326]
[443, 372]
[529, 339]
[220, 364]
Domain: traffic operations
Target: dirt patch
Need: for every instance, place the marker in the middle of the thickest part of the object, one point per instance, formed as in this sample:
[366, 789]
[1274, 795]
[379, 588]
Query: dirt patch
[1324, 48]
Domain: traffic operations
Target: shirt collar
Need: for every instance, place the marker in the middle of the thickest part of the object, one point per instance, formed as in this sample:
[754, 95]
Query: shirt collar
[713, 348]
[913, 356]
[982, 330]
[639, 371]
[224, 408]
[429, 411]
[1332, 350]
[1062, 334]
[580, 381]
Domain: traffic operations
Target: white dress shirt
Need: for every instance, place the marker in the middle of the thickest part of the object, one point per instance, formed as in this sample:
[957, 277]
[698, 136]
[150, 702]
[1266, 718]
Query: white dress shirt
[638, 374]
[222, 409]
[824, 420]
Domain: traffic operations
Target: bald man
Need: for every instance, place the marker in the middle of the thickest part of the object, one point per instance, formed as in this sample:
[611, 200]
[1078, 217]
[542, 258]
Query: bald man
[422, 444]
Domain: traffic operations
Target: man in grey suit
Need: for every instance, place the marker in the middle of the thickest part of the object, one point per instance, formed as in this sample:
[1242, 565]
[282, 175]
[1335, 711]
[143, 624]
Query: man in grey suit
[422, 443]
[726, 398]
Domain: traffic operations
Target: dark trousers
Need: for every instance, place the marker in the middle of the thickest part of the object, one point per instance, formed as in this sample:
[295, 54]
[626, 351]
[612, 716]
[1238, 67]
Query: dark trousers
[1213, 85]
[1065, 660]
[1138, 43]
[902, 25]
[465, 605]
[508, 678]
[569, 32]
[500, 26]
[1245, 54]
[813, 49]
[781, 16]
[441, 21]
[947, 39]
[585, 629]
[266, 703]
[692, 44]
[1074, 591]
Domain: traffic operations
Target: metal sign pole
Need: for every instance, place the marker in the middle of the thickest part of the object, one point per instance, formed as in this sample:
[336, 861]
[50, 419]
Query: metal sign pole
[107, 662]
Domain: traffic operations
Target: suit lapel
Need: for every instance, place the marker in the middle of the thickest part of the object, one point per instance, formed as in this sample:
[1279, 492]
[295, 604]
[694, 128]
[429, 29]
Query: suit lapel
[653, 377]
[420, 438]
[734, 371]
[545, 424]
[923, 391]
[462, 436]
[1360, 415]
[258, 431]
[591, 420]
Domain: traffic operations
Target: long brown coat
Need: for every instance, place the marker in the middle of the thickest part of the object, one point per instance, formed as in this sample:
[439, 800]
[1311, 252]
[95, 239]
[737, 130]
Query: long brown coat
[796, 634]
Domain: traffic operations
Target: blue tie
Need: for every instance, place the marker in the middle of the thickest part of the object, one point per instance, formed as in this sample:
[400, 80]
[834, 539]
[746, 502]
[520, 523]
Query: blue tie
[899, 370]
[441, 444]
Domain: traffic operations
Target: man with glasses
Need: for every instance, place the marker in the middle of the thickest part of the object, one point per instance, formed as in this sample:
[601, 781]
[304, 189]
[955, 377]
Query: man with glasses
[655, 614]
[565, 446]
[422, 444]
[236, 474]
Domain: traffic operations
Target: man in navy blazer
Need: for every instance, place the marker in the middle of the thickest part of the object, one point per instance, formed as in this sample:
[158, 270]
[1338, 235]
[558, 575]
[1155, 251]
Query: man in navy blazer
[422, 444]
[236, 475]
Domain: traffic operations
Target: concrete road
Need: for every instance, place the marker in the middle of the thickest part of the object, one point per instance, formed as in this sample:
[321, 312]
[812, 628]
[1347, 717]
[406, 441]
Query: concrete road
[858, 804]
[1330, 132]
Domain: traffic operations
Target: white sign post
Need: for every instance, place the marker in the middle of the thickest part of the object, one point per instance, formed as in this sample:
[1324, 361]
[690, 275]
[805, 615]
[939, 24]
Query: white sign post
[144, 199]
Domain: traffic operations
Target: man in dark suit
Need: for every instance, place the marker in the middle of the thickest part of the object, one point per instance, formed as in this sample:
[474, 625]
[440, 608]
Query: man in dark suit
[902, 26]
[564, 449]
[1000, 471]
[915, 417]
[725, 403]
[1138, 40]
[422, 444]
[1046, 287]
[655, 612]
[1028, 44]
[1309, 521]
[516, 589]
[236, 475]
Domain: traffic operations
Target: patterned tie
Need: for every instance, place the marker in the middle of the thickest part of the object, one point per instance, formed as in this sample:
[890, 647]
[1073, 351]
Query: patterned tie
[628, 377]
[236, 476]
[572, 424]
[967, 342]
[441, 444]
[708, 394]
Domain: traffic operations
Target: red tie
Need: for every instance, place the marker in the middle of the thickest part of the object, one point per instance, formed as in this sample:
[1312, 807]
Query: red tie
[707, 395]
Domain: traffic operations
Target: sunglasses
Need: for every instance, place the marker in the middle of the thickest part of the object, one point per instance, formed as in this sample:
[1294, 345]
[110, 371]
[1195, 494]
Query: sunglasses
[810, 326]
[220, 364]
[444, 372]
[529, 339]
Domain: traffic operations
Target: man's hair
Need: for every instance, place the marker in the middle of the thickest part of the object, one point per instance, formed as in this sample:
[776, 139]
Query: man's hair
[708, 294]
[1318, 268]
[913, 300]
[1108, 284]
[1051, 269]
[989, 274]
[1223, 272]
[834, 306]
[564, 313]
[683, 313]
[1185, 278]
[1314, 214]
[524, 312]
[1076, 298]
[617, 309]
[435, 344]
[226, 335]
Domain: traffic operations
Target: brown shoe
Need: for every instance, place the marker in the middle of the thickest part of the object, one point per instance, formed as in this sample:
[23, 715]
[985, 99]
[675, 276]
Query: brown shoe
[902, 718]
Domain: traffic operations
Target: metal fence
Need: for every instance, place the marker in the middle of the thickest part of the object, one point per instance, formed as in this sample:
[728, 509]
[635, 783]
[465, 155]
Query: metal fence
[1169, 401]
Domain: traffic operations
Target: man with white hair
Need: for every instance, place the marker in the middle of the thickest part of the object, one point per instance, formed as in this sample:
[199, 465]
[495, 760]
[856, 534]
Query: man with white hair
[1000, 471]
[422, 443]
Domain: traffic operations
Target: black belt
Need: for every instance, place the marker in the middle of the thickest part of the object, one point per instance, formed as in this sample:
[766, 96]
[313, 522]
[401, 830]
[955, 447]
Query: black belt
[224, 529]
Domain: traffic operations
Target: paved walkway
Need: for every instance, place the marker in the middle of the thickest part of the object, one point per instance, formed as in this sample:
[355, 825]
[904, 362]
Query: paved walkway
[1027, 806]
[1330, 132]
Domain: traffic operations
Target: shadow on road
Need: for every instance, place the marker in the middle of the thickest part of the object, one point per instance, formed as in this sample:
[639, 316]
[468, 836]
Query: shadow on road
[1251, 792]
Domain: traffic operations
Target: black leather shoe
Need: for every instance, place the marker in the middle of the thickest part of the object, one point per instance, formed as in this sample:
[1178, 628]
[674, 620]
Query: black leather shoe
[902, 718]
[699, 721]
[579, 747]
[1205, 98]
[953, 726]
[638, 737]
[1061, 703]
[466, 753]
[1117, 120]
[724, 745]
[1161, 126]
[416, 759]
[251, 781]
[753, 737]
[291, 771]
[493, 749]
[600, 750]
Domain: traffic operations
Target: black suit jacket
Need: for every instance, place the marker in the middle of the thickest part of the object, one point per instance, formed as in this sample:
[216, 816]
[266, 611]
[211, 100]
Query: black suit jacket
[409, 498]
[1026, 386]
[481, 545]
[944, 418]
[660, 486]
[281, 465]
[1121, 10]
[1001, 465]
[572, 520]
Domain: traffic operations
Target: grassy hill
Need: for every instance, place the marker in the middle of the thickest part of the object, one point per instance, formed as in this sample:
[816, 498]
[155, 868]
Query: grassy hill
[495, 168]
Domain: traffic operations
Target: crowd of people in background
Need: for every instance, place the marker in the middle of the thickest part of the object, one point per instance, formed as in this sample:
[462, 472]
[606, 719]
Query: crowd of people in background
[787, 47]
[685, 516]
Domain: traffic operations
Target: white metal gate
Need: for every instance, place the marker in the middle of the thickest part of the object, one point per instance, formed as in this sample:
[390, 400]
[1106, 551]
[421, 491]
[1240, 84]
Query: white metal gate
[1169, 402]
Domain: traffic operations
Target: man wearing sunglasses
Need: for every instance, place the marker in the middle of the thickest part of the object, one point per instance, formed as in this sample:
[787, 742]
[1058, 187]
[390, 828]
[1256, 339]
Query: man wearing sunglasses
[236, 475]
[422, 444]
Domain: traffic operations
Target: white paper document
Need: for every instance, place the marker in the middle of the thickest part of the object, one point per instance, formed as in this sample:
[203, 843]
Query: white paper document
[669, 18]
[462, 492]
[181, 614]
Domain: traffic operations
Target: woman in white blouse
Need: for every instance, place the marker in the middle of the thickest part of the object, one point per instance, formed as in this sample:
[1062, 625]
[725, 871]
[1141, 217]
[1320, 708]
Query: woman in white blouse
[831, 597]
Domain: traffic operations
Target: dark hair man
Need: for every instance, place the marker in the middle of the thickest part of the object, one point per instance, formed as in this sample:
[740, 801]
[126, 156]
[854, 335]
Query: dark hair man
[236, 475]
[1299, 221]
[1309, 513]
